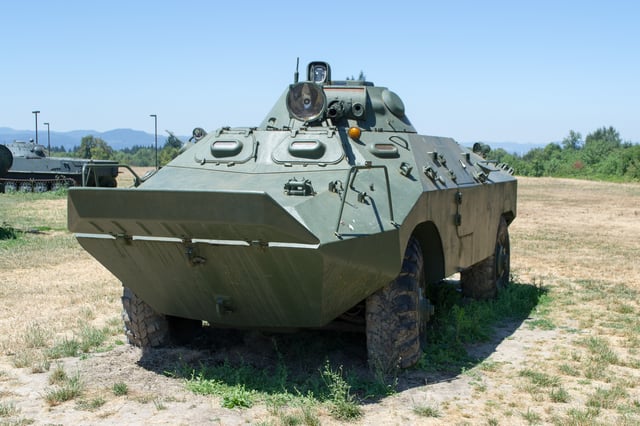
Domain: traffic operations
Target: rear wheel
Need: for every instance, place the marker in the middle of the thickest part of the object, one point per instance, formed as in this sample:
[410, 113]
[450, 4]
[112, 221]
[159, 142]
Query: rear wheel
[486, 278]
[397, 315]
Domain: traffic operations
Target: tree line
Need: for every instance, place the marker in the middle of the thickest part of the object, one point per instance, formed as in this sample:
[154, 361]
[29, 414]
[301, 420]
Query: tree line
[602, 155]
[143, 156]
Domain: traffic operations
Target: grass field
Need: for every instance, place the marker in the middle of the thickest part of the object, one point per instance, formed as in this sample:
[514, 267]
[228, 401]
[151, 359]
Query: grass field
[561, 346]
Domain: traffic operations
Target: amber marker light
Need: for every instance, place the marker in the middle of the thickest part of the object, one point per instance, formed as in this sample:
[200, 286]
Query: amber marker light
[354, 133]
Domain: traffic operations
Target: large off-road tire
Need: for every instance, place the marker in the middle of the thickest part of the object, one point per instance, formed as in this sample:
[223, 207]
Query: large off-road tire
[146, 328]
[396, 316]
[486, 278]
[143, 326]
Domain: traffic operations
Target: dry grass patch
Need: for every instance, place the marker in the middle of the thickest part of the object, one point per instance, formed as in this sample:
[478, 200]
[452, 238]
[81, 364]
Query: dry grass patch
[577, 229]
[582, 240]
[46, 277]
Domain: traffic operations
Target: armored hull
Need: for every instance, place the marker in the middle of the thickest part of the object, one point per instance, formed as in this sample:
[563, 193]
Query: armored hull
[296, 221]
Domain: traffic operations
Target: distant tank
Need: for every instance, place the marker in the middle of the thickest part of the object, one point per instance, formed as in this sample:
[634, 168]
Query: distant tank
[30, 169]
[333, 209]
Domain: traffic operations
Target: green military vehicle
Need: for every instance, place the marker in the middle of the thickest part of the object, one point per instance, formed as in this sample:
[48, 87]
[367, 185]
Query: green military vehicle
[333, 209]
[26, 167]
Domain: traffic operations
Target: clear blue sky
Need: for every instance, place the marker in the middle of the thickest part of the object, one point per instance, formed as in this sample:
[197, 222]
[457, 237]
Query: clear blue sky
[525, 71]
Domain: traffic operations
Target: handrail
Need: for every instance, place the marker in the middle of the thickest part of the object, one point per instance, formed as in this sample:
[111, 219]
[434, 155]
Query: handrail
[353, 171]
[88, 168]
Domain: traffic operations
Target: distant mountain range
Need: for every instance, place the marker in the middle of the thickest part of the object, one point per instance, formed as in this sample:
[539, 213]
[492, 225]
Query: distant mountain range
[127, 138]
[117, 139]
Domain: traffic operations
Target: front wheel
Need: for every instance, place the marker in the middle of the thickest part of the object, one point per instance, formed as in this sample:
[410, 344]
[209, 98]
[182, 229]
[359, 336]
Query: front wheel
[145, 328]
[397, 315]
[486, 278]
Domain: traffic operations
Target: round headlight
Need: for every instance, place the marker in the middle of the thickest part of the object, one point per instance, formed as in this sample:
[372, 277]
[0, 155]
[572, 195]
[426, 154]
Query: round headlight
[306, 101]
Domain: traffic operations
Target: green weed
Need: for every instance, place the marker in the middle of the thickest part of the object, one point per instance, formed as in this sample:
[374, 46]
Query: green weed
[306, 414]
[7, 409]
[39, 363]
[540, 379]
[600, 349]
[488, 365]
[532, 417]
[92, 404]
[238, 396]
[71, 388]
[35, 336]
[58, 375]
[91, 338]
[65, 348]
[309, 416]
[606, 398]
[542, 323]
[120, 389]
[343, 405]
[568, 370]
[232, 395]
[427, 411]
[577, 417]
[24, 358]
[559, 394]
[159, 404]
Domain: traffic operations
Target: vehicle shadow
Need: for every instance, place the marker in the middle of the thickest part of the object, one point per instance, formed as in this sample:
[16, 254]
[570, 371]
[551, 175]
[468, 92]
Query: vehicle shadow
[462, 335]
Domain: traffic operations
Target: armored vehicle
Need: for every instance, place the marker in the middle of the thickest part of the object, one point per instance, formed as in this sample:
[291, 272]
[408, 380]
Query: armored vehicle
[334, 208]
[30, 169]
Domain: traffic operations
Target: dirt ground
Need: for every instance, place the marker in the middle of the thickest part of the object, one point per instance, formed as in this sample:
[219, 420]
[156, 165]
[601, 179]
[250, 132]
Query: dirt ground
[567, 234]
